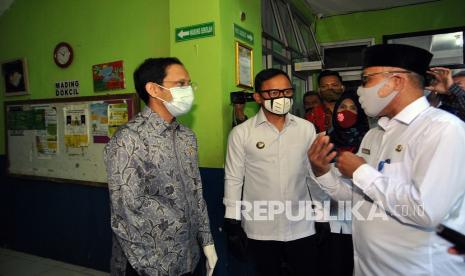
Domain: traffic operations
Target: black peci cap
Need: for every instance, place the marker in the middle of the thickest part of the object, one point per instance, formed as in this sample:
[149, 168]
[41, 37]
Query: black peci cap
[398, 55]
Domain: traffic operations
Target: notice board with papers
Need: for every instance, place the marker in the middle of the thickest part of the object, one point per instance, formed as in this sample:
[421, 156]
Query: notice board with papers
[63, 139]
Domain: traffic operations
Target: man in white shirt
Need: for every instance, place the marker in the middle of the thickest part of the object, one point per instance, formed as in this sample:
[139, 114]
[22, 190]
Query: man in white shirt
[267, 173]
[408, 175]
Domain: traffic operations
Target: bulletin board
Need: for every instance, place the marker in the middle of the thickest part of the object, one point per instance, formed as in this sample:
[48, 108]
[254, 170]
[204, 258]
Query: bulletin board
[63, 139]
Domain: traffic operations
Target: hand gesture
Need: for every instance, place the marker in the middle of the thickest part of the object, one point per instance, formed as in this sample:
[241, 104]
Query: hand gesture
[442, 80]
[347, 163]
[320, 155]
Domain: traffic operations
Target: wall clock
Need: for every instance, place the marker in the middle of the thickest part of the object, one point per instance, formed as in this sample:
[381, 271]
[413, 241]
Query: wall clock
[63, 55]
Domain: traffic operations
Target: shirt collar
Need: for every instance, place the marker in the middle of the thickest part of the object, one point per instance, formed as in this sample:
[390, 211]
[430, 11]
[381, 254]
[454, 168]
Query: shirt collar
[408, 114]
[157, 122]
[261, 118]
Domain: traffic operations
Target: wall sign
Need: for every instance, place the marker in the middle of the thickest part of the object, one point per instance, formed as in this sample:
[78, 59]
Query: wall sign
[195, 31]
[67, 88]
[243, 34]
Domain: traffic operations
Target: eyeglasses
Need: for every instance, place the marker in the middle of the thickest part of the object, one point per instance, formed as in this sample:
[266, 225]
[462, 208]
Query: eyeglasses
[364, 78]
[275, 93]
[181, 83]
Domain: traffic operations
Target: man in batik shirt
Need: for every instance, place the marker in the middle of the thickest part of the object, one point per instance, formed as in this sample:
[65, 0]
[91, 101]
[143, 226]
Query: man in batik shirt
[158, 213]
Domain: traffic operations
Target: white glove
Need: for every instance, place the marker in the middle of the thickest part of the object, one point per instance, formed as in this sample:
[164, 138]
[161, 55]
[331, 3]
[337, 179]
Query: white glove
[210, 253]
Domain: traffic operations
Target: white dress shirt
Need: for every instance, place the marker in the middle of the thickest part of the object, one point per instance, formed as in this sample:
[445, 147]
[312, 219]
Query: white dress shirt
[415, 174]
[269, 165]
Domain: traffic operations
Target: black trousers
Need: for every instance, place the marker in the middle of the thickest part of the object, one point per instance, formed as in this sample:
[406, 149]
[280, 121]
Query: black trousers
[130, 271]
[335, 252]
[276, 258]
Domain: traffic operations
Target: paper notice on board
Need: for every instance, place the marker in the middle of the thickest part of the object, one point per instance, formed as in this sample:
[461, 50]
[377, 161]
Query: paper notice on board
[117, 116]
[25, 118]
[76, 125]
[46, 141]
[99, 120]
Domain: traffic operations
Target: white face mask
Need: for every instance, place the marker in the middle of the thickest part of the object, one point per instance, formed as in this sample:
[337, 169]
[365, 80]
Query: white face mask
[183, 97]
[278, 106]
[371, 102]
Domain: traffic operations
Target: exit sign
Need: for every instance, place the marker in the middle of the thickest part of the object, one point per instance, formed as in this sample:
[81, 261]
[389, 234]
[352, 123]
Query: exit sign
[195, 31]
[243, 34]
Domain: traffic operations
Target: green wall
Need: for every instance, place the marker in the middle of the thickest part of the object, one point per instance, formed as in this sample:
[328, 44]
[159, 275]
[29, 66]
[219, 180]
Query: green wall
[99, 31]
[104, 30]
[210, 62]
[230, 14]
[428, 16]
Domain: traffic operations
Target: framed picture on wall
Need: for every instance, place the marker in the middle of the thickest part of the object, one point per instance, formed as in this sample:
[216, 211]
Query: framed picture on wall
[108, 76]
[244, 65]
[14, 74]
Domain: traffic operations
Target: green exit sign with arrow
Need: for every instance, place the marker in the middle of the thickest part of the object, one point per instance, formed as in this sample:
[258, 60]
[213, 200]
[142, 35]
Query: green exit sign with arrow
[243, 34]
[195, 31]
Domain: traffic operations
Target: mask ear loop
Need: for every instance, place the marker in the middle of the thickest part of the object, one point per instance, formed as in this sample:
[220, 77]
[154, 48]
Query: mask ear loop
[398, 75]
[165, 101]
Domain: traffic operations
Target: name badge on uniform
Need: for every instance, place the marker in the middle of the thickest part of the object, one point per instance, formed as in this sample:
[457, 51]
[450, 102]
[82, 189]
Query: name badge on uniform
[366, 151]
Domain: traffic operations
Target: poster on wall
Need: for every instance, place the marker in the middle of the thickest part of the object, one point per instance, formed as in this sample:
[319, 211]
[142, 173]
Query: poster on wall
[46, 140]
[99, 122]
[76, 125]
[106, 117]
[14, 74]
[244, 65]
[20, 118]
[108, 76]
[117, 116]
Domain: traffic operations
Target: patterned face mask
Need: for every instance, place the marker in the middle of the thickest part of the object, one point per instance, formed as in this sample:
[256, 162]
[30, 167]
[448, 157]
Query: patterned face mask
[346, 118]
[279, 106]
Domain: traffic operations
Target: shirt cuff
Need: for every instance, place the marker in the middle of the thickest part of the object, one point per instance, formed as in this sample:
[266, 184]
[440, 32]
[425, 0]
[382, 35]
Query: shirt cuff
[233, 209]
[364, 176]
[205, 238]
[327, 180]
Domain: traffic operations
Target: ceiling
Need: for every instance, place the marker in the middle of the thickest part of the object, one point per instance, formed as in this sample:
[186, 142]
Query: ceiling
[325, 8]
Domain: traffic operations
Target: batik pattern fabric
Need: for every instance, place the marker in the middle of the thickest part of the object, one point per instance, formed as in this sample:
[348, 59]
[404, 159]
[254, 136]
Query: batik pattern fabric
[158, 213]
[456, 100]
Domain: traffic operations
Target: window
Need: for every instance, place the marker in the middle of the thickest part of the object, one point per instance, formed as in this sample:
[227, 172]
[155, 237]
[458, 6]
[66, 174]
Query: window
[291, 36]
[309, 41]
[446, 45]
[287, 38]
[268, 20]
[287, 25]
[299, 91]
[344, 55]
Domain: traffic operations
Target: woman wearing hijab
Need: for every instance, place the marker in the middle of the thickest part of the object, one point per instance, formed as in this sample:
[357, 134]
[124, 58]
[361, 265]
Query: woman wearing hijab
[349, 122]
